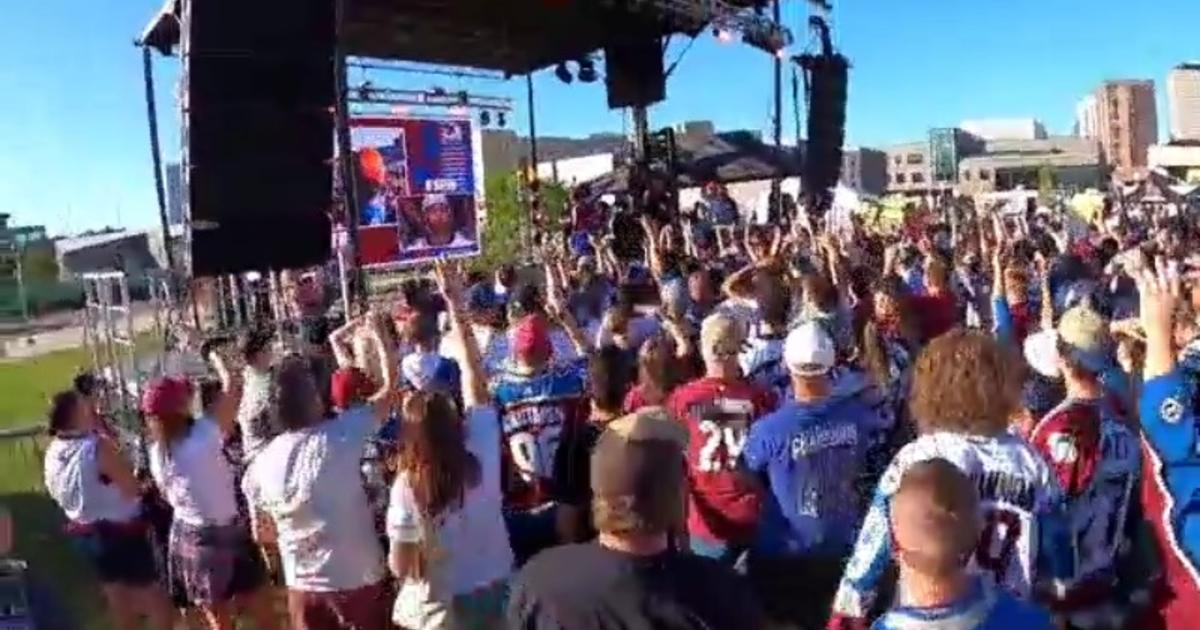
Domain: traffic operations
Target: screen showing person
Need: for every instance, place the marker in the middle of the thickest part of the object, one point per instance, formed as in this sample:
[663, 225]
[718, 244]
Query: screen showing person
[440, 224]
[373, 178]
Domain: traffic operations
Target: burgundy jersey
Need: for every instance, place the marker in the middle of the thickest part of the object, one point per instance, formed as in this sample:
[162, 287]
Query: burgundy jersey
[718, 414]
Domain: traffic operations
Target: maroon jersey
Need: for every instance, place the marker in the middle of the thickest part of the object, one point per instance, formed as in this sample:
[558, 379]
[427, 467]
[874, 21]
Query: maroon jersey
[718, 414]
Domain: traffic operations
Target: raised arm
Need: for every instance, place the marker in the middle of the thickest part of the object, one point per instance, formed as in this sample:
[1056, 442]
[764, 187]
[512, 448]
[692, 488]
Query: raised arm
[389, 367]
[1047, 297]
[737, 285]
[474, 378]
[653, 251]
[556, 306]
[231, 390]
[341, 342]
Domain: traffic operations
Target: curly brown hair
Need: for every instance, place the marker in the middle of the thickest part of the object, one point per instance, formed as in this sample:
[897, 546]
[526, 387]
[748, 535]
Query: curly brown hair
[965, 382]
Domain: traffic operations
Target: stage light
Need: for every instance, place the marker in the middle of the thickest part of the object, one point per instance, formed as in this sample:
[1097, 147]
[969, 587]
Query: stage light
[769, 38]
[463, 98]
[587, 70]
[485, 118]
[501, 120]
[458, 110]
[723, 36]
[563, 73]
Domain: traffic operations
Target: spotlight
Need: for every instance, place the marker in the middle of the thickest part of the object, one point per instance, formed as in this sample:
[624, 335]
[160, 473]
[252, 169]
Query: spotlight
[463, 99]
[768, 37]
[485, 118]
[501, 120]
[723, 36]
[563, 73]
[587, 70]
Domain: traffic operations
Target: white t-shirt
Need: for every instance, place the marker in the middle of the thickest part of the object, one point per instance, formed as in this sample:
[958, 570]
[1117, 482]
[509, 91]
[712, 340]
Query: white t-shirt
[471, 540]
[72, 475]
[310, 483]
[194, 476]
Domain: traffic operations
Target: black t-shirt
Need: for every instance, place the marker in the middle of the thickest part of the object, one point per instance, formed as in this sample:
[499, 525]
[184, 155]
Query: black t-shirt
[589, 587]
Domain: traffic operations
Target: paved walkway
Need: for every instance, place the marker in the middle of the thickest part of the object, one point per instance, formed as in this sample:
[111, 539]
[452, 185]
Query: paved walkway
[61, 331]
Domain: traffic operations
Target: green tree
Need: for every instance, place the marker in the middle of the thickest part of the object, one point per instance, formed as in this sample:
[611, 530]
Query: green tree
[38, 263]
[1047, 184]
[505, 210]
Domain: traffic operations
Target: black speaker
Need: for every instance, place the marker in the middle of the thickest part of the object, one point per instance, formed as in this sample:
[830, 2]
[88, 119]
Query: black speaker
[828, 78]
[258, 108]
[633, 72]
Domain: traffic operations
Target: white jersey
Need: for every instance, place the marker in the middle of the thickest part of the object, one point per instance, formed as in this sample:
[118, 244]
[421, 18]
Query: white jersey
[761, 360]
[72, 473]
[1019, 497]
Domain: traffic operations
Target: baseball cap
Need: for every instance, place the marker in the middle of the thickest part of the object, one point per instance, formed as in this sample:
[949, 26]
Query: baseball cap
[1041, 353]
[809, 350]
[434, 200]
[721, 335]
[349, 386]
[531, 337]
[1084, 334]
[638, 464]
[482, 297]
[166, 395]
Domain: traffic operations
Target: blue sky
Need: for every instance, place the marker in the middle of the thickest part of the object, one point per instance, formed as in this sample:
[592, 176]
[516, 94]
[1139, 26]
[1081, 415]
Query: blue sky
[73, 142]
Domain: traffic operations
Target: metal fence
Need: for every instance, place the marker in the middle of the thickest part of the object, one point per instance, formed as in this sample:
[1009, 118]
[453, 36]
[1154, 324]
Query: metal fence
[22, 448]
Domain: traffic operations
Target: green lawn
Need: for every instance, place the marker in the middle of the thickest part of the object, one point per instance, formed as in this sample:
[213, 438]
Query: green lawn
[25, 388]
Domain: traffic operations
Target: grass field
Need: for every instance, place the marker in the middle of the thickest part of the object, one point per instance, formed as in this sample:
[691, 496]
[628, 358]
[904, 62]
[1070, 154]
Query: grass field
[25, 388]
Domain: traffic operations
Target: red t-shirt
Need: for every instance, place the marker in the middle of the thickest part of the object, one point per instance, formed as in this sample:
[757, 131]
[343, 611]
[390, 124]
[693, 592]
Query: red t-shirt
[718, 414]
[936, 313]
[636, 399]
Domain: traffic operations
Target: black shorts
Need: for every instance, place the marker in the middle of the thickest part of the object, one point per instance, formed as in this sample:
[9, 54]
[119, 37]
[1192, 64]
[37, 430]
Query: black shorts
[120, 555]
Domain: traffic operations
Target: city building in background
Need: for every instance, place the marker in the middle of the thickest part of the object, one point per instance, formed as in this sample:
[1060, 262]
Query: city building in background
[1128, 125]
[1005, 128]
[1075, 164]
[1178, 160]
[1087, 114]
[865, 170]
[1183, 100]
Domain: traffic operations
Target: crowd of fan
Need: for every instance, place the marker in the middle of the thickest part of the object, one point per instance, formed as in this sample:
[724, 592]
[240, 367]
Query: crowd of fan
[961, 424]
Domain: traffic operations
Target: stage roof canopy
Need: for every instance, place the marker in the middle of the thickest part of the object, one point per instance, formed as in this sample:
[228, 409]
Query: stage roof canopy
[729, 157]
[513, 36]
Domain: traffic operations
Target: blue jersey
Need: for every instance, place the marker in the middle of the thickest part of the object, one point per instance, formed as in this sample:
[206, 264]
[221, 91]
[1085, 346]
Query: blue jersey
[1171, 493]
[539, 414]
[985, 608]
[812, 455]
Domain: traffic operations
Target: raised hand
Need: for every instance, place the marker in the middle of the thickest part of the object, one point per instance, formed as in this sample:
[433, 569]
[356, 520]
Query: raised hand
[449, 281]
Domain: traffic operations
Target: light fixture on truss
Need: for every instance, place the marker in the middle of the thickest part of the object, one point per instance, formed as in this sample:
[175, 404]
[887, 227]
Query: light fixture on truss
[563, 73]
[726, 19]
[587, 70]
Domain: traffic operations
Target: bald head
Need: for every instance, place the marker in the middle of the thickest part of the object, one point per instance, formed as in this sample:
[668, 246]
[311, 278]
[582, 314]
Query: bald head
[935, 518]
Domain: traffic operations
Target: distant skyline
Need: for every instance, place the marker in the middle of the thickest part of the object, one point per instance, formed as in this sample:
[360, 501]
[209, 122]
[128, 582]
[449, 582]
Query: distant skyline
[74, 153]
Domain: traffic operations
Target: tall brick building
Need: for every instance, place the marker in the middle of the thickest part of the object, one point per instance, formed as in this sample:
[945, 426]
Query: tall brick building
[1127, 124]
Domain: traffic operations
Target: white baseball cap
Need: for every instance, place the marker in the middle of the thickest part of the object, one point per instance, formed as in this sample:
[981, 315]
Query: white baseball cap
[809, 350]
[435, 199]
